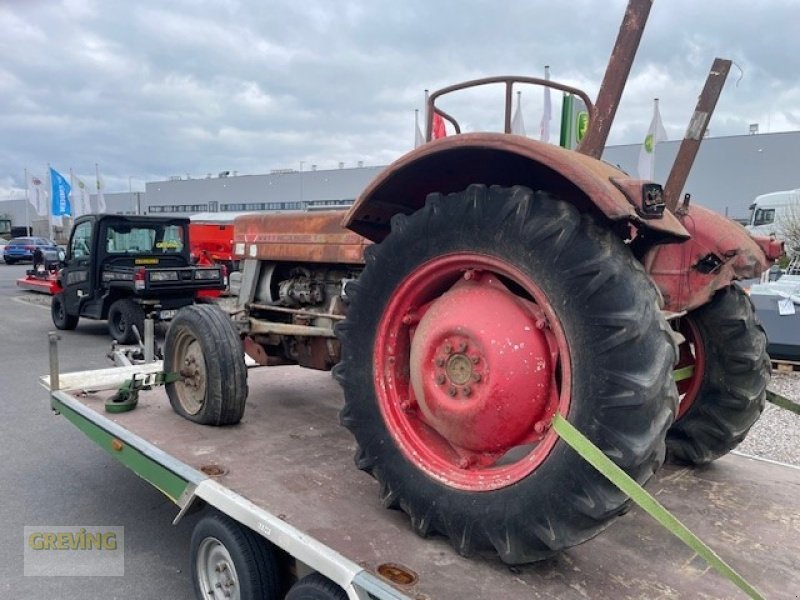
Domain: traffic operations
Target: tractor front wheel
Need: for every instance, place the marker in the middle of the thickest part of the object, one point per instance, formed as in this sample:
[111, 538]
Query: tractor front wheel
[475, 321]
[203, 348]
[724, 371]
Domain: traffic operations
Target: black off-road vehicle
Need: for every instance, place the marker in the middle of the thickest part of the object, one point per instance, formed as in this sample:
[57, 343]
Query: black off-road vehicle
[123, 268]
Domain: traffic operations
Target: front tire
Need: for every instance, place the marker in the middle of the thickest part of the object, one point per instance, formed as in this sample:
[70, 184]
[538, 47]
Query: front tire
[58, 311]
[123, 316]
[725, 395]
[204, 348]
[475, 321]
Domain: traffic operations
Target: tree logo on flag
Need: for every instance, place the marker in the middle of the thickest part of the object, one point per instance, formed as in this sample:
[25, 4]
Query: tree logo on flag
[36, 181]
[649, 143]
[581, 125]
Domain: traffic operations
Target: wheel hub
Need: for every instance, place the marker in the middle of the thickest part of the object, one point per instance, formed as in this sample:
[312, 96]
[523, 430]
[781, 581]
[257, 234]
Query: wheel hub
[481, 369]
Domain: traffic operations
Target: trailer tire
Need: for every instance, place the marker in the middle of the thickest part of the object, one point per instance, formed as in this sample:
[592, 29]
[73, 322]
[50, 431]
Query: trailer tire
[58, 311]
[726, 394]
[247, 563]
[203, 346]
[316, 587]
[612, 377]
[123, 315]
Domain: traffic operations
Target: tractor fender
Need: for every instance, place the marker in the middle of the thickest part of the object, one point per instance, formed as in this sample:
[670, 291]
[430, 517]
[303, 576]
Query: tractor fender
[719, 252]
[453, 163]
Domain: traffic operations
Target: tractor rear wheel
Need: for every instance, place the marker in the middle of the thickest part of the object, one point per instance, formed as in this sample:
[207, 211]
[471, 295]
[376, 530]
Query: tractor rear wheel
[203, 347]
[724, 394]
[475, 321]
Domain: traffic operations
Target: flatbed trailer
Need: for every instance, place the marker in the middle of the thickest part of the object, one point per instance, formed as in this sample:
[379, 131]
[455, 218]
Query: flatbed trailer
[285, 472]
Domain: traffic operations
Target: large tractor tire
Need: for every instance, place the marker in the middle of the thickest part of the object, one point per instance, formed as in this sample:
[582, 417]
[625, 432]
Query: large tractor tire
[61, 318]
[203, 347]
[475, 321]
[725, 394]
[123, 315]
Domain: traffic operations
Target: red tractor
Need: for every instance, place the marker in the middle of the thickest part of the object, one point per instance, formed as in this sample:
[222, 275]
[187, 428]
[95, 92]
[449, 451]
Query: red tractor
[483, 283]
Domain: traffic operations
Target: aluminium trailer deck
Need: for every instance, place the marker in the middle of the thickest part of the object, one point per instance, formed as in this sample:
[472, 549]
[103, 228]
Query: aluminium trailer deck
[287, 472]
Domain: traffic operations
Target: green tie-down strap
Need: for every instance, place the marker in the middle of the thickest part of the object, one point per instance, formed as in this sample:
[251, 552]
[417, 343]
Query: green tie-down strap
[590, 453]
[127, 396]
[783, 402]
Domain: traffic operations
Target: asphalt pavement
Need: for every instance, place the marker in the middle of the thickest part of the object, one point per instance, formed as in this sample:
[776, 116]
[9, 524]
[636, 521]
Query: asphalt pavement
[51, 475]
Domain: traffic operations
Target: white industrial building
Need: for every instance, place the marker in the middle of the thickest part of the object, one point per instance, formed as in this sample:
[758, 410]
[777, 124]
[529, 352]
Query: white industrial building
[728, 174]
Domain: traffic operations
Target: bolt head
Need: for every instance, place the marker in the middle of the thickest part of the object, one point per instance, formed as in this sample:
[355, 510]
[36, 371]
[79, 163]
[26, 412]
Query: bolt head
[539, 427]
[462, 346]
[440, 379]
[476, 377]
[475, 359]
[452, 391]
[448, 348]
[440, 362]
[466, 390]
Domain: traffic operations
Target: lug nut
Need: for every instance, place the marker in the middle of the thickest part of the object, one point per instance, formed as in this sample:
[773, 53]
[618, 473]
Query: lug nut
[466, 390]
[440, 362]
[476, 377]
[448, 348]
[462, 346]
[540, 427]
[440, 378]
[452, 391]
[475, 359]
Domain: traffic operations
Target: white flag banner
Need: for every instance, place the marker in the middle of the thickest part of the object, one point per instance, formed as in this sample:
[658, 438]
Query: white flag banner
[548, 110]
[38, 194]
[517, 122]
[647, 154]
[81, 204]
[101, 186]
[419, 139]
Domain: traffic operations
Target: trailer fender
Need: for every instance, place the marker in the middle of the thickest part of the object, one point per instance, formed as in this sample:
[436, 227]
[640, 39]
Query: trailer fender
[453, 163]
[719, 252]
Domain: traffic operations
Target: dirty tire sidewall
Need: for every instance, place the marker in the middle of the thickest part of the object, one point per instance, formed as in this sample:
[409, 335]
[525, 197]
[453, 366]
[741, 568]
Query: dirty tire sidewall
[732, 393]
[58, 312]
[621, 352]
[123, 314]
[255, 560]
[223, 354]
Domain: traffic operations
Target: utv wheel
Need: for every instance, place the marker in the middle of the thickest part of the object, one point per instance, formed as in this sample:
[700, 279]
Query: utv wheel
[725, 394]
[203, 347]
[231, 561]
[58, 311]
[476, 320]
[316, 587]
[123, 316]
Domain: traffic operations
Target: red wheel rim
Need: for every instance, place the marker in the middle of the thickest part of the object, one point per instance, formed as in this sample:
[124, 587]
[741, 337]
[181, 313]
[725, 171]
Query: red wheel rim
[692, 354]
[471, 364]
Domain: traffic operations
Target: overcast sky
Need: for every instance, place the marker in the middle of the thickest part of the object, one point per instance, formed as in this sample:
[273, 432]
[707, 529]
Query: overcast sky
[151, 89]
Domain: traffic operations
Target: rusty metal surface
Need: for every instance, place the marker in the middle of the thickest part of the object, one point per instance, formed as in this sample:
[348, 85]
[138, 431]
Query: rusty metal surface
[619, 66]
[304, 237]
[695, 132]
[672, 267]
[509, 81]
[290, 457]
[451, 164]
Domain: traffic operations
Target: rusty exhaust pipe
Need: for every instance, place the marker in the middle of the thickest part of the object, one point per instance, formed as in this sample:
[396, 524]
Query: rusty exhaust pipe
[695, 132]
[619, 67]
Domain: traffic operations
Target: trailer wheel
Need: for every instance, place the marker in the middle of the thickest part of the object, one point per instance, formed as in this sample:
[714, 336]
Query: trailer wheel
[476, 320]
[316, 587]
[231, 561]
[725, 395]
[123, 315]
[204, 348]
[58, 312]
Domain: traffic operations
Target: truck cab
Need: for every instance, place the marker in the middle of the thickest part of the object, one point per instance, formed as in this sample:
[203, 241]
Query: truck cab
[123, 268]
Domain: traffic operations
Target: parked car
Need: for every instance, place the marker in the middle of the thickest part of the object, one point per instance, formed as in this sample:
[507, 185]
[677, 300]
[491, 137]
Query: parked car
[22, 248]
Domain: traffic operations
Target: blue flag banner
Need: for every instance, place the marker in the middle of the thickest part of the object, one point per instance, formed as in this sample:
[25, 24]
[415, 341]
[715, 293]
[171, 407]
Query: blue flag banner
[60, 196]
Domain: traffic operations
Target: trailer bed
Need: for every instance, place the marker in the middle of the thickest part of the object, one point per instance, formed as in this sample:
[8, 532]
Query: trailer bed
[287, 471]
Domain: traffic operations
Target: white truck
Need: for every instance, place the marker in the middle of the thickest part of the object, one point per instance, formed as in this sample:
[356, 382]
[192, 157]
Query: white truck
[772, 214]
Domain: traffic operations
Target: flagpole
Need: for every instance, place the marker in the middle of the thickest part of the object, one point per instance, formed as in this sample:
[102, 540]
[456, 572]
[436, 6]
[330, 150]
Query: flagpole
[50, 229]
[428, 119]
[27, 205]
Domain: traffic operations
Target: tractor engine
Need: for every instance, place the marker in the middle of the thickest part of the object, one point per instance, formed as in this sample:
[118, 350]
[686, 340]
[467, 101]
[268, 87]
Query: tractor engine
[293, 312]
